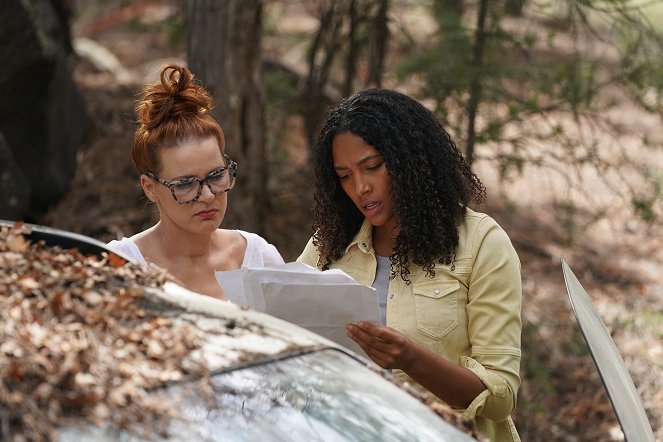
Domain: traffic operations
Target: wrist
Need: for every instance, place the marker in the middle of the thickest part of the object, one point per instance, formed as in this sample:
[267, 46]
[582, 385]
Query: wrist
[410, 356]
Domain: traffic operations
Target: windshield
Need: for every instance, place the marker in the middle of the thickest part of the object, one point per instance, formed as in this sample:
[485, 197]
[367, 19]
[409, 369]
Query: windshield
[320, 396]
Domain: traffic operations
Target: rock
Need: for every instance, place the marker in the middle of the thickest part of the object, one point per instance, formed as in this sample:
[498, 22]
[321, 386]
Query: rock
[42, 113]
[14, 187]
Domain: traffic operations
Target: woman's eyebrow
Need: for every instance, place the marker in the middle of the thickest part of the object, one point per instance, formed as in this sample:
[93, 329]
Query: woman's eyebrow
[185, 177]
[360, 162]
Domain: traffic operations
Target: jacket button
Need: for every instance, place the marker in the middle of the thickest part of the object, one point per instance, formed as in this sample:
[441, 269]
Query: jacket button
[437, 291]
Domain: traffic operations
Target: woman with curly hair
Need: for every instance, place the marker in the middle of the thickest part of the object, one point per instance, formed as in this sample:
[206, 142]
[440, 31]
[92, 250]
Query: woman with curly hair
[179, 151]
[391, 210]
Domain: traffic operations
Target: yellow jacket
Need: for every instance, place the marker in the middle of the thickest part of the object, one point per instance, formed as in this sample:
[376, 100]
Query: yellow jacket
[469, 313]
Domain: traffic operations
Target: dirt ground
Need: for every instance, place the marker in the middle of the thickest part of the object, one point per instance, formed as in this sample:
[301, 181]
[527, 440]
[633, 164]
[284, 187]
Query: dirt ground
[618, 260]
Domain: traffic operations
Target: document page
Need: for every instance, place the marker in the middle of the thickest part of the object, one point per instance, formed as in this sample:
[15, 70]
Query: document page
[323, 302]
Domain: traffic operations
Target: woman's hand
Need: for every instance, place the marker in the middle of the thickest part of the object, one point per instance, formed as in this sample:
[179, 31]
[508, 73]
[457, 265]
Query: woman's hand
[389, 348]
[385, 346]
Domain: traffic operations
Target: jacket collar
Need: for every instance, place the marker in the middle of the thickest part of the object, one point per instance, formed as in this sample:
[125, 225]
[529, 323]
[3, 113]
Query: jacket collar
[363, 239]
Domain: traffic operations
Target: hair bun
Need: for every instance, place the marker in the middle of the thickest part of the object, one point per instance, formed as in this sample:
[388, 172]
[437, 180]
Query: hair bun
[177, 95]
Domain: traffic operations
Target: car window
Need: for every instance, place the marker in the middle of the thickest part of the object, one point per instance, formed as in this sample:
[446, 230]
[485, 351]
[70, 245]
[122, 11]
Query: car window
[319, 396]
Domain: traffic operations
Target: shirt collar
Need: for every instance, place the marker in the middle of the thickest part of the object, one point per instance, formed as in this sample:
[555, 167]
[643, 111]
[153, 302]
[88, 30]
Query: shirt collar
[364, 238]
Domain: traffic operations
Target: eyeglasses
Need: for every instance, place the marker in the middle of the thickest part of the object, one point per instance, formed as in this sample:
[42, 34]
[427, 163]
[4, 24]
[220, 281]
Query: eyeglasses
[188, 190]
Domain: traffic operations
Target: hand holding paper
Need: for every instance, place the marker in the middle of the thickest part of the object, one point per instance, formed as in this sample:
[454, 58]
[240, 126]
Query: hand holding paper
[387, 347]
[323, 302]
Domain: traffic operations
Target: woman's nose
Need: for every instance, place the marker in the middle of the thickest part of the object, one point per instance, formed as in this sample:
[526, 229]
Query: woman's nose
[362, 187]
[206, 193]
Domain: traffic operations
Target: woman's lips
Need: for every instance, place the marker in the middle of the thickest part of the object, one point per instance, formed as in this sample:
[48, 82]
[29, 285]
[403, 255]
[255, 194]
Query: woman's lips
[206, 214]
[371, 208]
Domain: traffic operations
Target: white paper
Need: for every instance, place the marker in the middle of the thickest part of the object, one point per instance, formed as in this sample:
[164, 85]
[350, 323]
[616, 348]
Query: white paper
[323, 302]
[232, 284]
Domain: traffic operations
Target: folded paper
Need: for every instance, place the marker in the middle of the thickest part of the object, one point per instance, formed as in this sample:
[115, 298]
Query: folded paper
[323, 302]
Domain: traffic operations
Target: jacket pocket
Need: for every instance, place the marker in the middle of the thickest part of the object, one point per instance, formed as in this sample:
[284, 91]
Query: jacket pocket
[436, 304]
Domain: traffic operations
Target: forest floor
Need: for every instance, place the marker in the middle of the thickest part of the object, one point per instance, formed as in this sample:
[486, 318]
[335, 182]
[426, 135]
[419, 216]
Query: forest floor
[617, 258]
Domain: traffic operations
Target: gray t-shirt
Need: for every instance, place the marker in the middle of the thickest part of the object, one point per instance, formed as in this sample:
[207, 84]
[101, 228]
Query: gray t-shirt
[381, 285]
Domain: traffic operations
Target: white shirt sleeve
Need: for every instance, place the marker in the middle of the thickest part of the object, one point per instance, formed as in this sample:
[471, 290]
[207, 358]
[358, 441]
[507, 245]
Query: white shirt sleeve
[259, 253]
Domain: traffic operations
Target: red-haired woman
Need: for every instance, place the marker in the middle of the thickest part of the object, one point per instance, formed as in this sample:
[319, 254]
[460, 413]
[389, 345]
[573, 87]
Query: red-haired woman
[178, 149]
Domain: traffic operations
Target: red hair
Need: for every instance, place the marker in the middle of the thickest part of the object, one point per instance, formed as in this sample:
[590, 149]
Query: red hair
[169, 113]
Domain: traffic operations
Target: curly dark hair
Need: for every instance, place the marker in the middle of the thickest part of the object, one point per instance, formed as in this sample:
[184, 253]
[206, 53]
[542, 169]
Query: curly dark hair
[430, 182]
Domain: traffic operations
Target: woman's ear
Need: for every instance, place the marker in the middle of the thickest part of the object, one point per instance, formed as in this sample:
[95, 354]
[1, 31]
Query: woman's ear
[148, 187]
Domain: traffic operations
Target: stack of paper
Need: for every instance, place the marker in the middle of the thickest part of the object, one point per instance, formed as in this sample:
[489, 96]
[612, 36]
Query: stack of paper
[323, 302]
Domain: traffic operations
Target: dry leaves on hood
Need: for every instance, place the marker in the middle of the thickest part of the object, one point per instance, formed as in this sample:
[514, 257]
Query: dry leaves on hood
[74, 341]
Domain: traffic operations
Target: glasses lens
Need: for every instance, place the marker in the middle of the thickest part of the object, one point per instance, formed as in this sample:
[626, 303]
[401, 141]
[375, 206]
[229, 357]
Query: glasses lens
[219, 181]
[186, 190]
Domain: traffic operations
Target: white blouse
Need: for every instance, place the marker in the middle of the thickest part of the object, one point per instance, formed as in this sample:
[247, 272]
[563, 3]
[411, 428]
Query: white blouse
[259, 253]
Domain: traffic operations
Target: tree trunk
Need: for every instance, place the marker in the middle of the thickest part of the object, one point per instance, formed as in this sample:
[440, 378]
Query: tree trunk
[320, 57]
[351, 59]
[380, 30]
[223, 47]
[475, 84]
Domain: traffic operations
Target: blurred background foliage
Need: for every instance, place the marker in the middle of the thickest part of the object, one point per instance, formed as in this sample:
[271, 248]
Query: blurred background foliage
[557, 103]
[519, 83]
